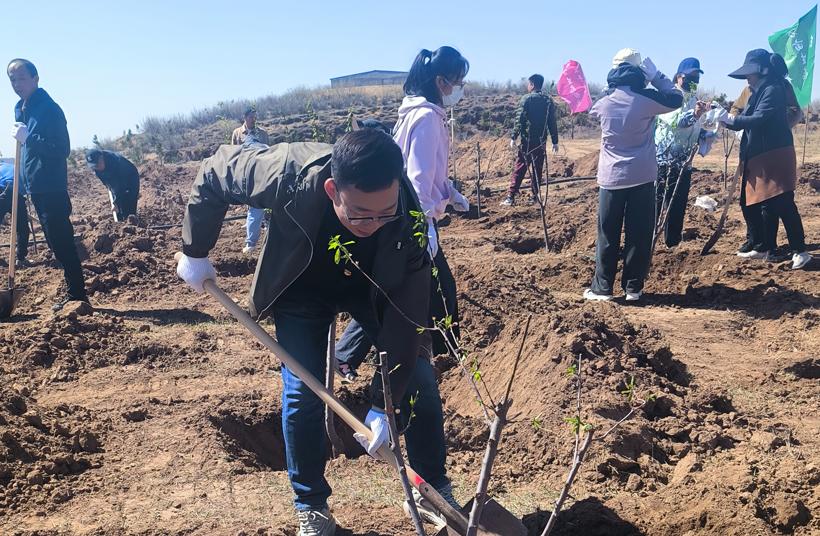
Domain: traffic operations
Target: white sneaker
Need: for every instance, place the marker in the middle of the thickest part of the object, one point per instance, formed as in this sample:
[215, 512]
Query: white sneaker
[634, 296]
[316, 522]
[247, 250]
[590, 295]
[800, 260]
[754, 254]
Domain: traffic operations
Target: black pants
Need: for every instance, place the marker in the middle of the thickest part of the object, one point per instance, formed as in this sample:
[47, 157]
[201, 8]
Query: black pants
[355, 344]
[54, 209]
[668, 177]
[125, 201]
[782, 207]
[633, 210]
[444, 302]
[753, 216]
[22, 219]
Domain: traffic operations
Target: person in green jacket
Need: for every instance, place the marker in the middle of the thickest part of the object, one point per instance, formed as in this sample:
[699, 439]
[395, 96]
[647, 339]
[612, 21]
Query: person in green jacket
[535, 116]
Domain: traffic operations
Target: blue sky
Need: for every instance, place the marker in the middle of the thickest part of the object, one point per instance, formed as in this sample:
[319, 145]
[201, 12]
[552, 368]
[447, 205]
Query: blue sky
[110, 64]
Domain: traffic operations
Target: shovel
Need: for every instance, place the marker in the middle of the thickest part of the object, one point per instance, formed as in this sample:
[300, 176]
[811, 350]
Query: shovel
[113, 206]
[499, 522]
[11, 296]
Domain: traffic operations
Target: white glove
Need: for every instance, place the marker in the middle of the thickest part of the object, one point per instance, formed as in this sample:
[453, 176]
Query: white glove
[459, 202]
[19, 132]
[432, 238]
[555, 148]
[727, 119]
[195, 271]
[376, 420]
[649, 69]
[512, 143]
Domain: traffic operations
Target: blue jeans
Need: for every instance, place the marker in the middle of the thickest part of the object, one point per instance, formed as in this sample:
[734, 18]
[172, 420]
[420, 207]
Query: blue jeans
[302, 329]
[253, 225]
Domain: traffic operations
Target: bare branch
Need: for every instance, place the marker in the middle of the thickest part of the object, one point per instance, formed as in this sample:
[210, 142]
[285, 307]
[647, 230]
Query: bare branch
[517, 360]
[576, 465]
[395, 444]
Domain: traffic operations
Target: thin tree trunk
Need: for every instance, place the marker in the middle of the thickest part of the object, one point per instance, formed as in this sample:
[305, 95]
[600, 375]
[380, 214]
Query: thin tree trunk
[330, 375]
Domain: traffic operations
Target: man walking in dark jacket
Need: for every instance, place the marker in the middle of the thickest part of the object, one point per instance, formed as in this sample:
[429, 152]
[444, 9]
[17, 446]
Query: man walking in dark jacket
[354, 193]
[41, 129]
[534, 116]
[121, 178]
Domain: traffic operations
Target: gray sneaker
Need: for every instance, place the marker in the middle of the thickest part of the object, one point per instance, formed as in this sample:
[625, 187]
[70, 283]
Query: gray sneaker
[508, 201]
[428, 512]
[316, 522]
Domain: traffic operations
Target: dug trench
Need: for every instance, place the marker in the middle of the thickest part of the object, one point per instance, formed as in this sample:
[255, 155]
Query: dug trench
[157, 414]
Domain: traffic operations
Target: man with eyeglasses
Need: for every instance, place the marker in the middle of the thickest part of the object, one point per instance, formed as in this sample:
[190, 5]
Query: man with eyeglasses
[357, 193]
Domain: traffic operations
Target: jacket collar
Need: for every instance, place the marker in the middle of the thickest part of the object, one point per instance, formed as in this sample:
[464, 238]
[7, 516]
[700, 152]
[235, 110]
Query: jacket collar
[38, 96]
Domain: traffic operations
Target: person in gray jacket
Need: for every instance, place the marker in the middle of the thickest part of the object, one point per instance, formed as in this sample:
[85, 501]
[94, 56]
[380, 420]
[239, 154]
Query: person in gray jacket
[627, 169]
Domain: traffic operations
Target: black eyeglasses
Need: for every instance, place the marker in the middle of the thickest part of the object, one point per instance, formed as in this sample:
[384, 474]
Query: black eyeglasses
[362, 220]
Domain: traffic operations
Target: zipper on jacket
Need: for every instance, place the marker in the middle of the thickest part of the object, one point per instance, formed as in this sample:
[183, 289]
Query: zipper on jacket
[310, 259]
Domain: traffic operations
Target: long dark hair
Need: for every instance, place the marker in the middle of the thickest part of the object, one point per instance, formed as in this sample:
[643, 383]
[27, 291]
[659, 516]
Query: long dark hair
[445, 61]
[778, 69]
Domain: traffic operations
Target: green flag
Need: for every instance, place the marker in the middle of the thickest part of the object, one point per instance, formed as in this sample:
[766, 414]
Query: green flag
[796, 45]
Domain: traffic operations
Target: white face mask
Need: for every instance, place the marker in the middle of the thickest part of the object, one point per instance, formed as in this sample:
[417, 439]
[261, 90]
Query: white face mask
[453, 98]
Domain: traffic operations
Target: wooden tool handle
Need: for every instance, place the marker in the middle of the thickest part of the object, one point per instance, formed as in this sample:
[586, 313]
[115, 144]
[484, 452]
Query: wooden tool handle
[13, 229]
[427, 491]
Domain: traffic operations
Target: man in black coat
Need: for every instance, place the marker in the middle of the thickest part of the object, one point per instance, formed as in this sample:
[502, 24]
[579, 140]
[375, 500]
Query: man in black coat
[121, 178]
[41, 130]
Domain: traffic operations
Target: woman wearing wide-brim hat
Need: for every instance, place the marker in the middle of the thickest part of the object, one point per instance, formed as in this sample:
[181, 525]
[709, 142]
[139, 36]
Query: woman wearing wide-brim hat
[768, 156]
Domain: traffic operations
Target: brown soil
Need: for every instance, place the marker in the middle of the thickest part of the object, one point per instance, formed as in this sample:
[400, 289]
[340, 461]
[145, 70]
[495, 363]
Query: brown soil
[155, 413]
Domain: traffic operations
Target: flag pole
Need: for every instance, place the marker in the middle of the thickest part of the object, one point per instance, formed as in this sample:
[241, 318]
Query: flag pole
[806, 135]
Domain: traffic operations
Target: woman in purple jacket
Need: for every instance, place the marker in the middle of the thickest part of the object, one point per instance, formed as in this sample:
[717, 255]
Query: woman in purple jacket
[627, 169]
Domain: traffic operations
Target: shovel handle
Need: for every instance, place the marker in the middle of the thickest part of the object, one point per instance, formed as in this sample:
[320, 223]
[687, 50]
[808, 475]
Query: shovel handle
[113, 207]
[15, 192]
[426, 490]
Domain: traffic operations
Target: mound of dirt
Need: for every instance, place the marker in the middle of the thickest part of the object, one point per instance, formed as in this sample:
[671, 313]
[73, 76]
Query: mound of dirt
[587, 166]
[615, 354]
[43, 450]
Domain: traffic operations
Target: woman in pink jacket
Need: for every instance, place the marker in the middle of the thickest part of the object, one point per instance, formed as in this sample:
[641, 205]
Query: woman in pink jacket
[435, 80]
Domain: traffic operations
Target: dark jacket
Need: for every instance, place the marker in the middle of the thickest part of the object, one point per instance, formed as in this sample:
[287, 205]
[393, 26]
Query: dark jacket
[534, 116]
[794, 114]
[288, 178]
[119, 175]
[47, 146]
[767, 145]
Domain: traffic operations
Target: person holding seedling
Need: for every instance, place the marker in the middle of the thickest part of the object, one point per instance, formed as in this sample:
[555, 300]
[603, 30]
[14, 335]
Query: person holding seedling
[768, 158]
[677, 134]
[344, 236]
[627, 170]
[752, 214]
